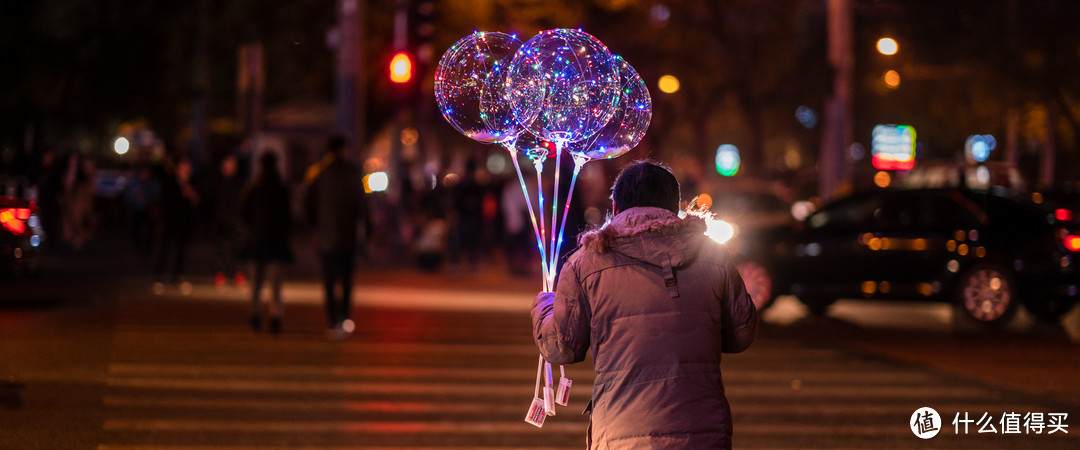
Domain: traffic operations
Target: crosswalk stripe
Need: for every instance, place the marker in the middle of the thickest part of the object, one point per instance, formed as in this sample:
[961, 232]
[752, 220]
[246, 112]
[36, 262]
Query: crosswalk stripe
[398, 372]
[308, 447]
[905, 409]
[320, 386]
[484, 388]
[308, 405]
[739, 376]
[847, 409]
[358, 427]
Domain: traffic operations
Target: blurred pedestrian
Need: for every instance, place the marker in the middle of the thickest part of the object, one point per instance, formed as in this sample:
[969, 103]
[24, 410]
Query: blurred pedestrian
[266, 213]
[468, 199]
[335, 201]
[141, 195]
[78, 201]
[658, 302]
[226, 225]
[517, 234]
[179, 205]
[50, 189]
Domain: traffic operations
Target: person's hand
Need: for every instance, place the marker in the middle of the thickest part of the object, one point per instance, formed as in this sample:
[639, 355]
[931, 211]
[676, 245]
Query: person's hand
[544, 298]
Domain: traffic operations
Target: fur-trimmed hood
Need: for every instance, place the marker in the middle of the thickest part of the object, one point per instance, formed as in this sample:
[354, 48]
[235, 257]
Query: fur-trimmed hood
[669, 235]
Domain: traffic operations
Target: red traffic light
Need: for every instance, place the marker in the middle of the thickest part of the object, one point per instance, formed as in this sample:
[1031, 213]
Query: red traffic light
[401, 68]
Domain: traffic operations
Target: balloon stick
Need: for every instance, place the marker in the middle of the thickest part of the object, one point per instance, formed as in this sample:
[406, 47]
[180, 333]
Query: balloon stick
[538, 162]
[528, 201]
[578, 162]
[553, 261]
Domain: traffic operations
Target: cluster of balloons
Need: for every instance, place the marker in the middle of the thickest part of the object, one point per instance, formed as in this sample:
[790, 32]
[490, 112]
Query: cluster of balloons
[562, 86]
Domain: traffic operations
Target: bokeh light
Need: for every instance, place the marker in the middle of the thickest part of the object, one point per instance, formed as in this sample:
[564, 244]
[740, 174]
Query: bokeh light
[376, 182]
[668, 84]
[121, 145]
[728, 160]
[887, 46]
[704, 201]
[401, 68]
[977, 148]
[498, 163]
[892, 79]
[806, 116]
[882, 179]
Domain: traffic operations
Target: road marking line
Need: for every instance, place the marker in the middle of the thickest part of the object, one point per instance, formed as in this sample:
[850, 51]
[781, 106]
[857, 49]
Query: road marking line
[322, 426]
[352, 406]
[322, 386]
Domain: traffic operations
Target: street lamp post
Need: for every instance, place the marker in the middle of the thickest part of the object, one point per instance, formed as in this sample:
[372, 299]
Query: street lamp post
[837, 134]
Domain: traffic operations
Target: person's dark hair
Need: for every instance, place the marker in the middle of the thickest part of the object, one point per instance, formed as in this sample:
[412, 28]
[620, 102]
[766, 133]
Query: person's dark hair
[336, 145]
[646, 183]
[268, 163]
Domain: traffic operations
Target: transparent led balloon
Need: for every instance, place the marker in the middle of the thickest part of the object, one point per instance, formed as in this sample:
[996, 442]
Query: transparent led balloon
[462, 82]
[563, 85]
[626, 127]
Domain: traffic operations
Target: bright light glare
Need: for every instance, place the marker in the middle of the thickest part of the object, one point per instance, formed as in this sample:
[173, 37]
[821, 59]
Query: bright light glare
[802, 209]
[1072, 242]
[121, 145]
[401, 68]
[719, 230]
[887, 46]
[376, 182]
[13, 219]
[668, 84]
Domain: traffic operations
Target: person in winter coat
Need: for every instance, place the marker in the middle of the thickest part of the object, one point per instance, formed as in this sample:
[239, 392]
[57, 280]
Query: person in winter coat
[658, 302]
[265, 210]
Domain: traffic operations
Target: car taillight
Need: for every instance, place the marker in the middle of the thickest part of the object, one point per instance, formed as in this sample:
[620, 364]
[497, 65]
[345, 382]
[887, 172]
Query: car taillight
[14, 219]
[1063, 215]
[1072, 242]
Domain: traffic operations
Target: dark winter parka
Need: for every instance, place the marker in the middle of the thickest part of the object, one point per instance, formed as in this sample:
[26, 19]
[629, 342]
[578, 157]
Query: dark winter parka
[658, 302]
[266, 211]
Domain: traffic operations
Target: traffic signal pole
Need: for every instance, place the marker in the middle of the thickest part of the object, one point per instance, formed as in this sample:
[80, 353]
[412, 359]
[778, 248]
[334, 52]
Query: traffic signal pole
[837, 134]
[401, 24]
[350, 81]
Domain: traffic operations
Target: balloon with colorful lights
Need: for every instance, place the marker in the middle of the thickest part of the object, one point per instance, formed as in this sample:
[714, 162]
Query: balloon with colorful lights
[563, 85]
[627, 126]
[462, 83]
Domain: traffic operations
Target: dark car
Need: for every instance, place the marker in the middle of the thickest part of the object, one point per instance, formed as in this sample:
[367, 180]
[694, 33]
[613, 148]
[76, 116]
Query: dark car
[20, 236]
[987, 253]
[747, 222]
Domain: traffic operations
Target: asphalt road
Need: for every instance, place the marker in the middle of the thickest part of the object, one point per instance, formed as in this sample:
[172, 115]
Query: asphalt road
[92, 357]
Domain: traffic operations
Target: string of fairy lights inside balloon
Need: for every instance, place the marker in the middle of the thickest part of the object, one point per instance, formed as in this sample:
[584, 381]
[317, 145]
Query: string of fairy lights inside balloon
[564, 87]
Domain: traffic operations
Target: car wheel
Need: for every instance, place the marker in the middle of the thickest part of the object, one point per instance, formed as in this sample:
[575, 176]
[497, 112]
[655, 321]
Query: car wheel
[987, 293]
[759, 284]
